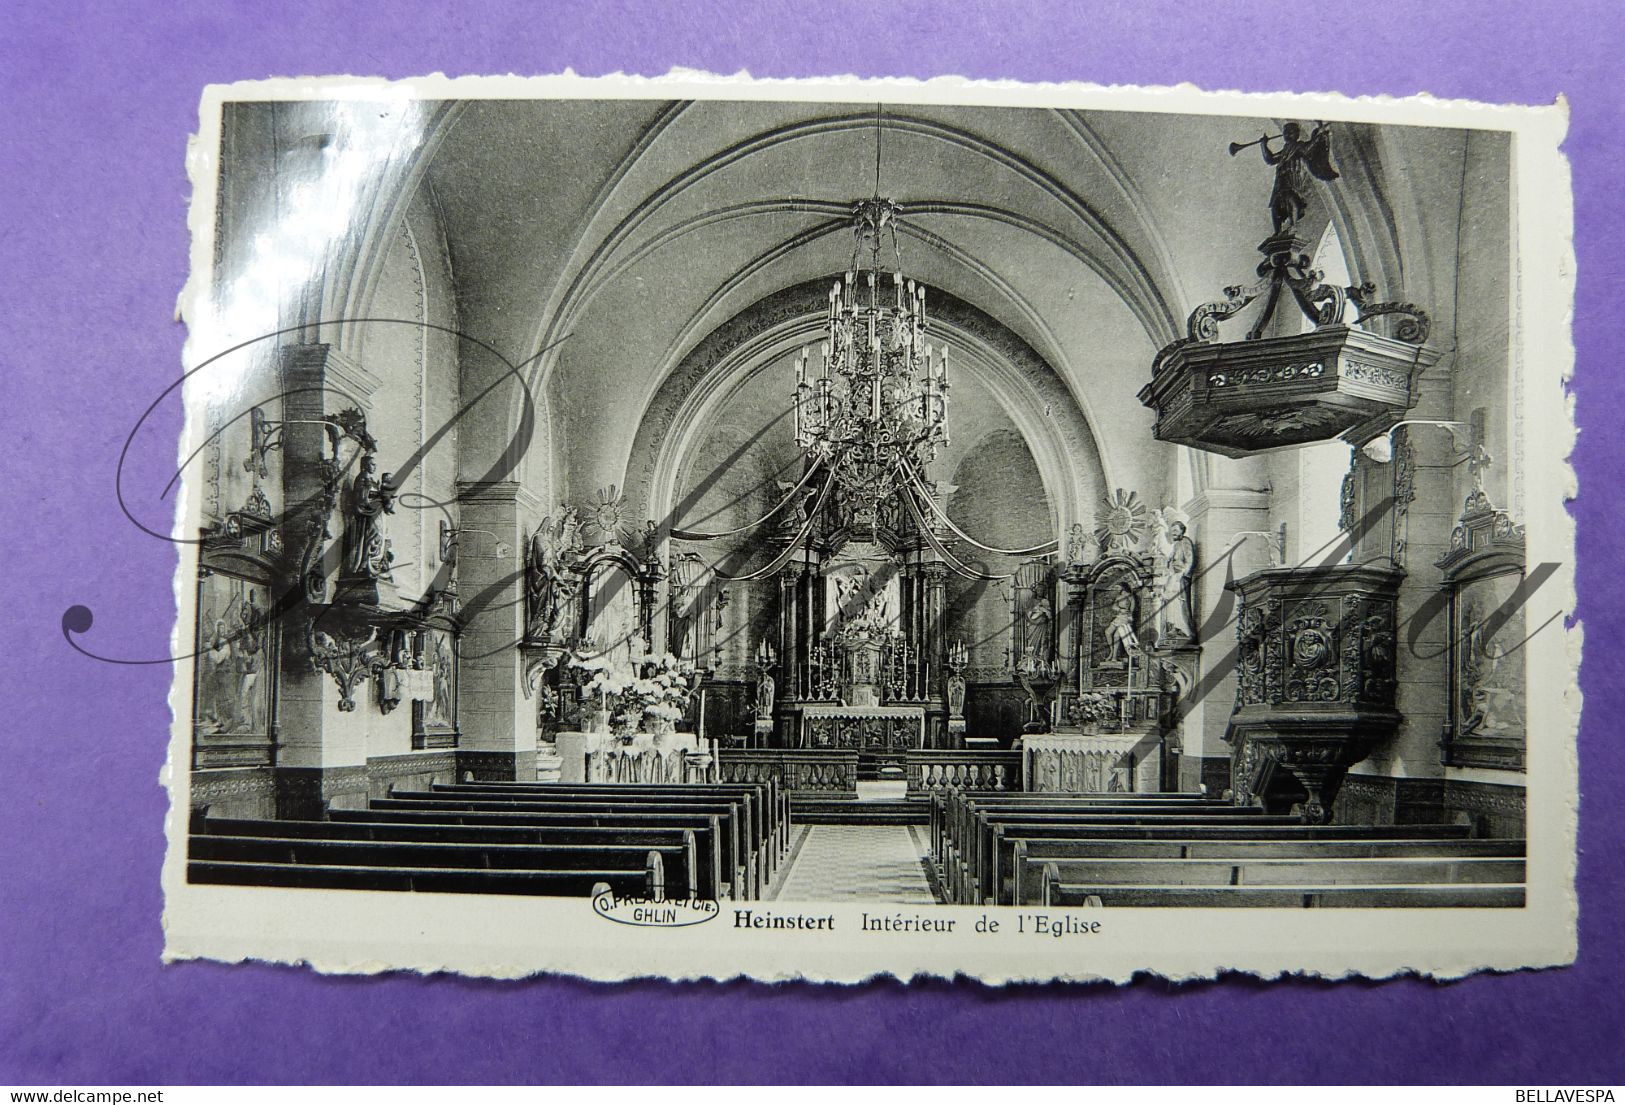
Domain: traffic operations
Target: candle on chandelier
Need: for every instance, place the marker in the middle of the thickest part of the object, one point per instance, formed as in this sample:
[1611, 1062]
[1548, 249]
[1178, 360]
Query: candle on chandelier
[897, 281]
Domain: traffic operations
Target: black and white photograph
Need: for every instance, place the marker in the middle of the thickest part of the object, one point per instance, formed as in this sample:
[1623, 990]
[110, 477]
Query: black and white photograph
[826, 529]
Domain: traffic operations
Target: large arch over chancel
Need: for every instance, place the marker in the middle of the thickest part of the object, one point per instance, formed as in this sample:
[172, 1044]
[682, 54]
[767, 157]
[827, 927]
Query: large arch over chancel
[1000, 365]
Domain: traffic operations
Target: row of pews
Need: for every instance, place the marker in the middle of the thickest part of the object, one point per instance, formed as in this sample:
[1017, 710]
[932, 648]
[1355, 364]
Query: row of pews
[1182, 849]
[712, 841]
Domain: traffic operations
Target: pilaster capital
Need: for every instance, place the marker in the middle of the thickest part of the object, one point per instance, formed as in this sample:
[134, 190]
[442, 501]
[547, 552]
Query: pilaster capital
[339, 379]
[1227, 498]
[498, 491]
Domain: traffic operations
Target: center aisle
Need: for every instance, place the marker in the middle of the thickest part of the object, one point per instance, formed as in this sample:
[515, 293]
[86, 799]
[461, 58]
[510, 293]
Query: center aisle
[858, 862]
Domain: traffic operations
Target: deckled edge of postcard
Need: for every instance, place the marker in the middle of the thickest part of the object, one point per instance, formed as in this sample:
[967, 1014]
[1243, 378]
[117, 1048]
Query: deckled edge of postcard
[499, 937]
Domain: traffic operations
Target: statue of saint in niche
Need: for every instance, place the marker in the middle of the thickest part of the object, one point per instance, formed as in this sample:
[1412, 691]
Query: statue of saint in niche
[1122, 640]
[542, 579]
[1039, 644]
[1176, 565]
[367, 554]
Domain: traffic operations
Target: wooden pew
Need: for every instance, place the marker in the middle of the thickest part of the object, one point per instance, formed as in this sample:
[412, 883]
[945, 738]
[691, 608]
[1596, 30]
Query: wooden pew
[994, 855]
[947, 807]
[970, 854]
[959, 812]
[1055, 890]
[775, 801]
[715, 837]
[646, 882]
[769, 804]
[1103, 878]
[744, 871]
[754, 835]
[740, 808]
[1058, 849]
[1027, 855]
[677, 862]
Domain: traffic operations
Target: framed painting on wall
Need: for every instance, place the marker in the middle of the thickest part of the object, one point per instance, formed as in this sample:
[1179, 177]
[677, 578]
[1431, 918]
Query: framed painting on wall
[434, 718]
[233, 692]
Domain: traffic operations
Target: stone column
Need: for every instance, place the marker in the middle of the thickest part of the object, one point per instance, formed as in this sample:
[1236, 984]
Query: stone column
[1425, 508]
[935, 575]
[496, 721]
[322, 751]
[1217, 515]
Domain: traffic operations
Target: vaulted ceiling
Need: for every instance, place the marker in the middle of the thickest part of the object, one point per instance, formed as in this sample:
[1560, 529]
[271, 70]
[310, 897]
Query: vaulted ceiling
[633, 229]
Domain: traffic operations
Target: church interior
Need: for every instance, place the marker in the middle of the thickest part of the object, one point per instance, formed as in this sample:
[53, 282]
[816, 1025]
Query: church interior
[799, 500]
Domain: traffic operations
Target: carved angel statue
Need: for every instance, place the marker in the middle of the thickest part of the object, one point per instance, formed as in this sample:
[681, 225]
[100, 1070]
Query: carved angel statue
[1077, 545]
[1297, 160]
[877, 611]
[366, 550]
[794, 513]
[651, 543]
[569, 531]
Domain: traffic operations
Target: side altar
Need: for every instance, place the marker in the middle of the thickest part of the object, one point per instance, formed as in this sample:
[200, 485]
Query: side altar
[642, 758]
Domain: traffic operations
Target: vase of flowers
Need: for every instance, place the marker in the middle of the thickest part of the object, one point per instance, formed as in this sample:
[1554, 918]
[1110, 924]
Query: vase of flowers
[602, 690]
[662, 691]
[650, 694]
[1090, 709]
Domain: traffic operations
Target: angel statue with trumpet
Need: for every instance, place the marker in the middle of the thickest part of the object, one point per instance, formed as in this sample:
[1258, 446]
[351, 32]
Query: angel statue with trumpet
[1298, 158]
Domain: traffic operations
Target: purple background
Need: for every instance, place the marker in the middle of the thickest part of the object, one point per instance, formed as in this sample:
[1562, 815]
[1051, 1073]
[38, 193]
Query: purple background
[93, 250]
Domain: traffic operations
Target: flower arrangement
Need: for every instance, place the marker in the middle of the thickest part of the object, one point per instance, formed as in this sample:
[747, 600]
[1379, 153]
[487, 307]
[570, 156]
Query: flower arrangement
[1091, 708]
[650, 693]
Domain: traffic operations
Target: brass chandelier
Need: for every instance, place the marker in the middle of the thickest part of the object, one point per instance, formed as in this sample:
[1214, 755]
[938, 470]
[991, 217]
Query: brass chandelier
[876, 405]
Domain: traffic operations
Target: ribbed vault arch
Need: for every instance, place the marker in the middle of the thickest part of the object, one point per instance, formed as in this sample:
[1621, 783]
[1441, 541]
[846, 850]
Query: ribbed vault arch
[1026, 386]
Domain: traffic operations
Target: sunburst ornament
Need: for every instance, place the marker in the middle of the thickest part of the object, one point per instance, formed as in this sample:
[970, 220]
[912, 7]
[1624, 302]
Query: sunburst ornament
[1122, 524]
[604, 517]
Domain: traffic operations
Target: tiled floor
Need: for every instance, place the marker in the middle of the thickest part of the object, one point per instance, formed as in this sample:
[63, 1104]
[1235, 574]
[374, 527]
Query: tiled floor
[875, 863]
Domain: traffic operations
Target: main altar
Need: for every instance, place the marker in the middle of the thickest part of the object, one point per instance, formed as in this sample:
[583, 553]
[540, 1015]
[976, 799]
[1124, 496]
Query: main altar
[874, 729]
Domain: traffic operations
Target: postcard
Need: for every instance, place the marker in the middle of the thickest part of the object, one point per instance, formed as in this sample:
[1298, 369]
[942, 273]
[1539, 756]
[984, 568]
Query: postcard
[710, 528]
